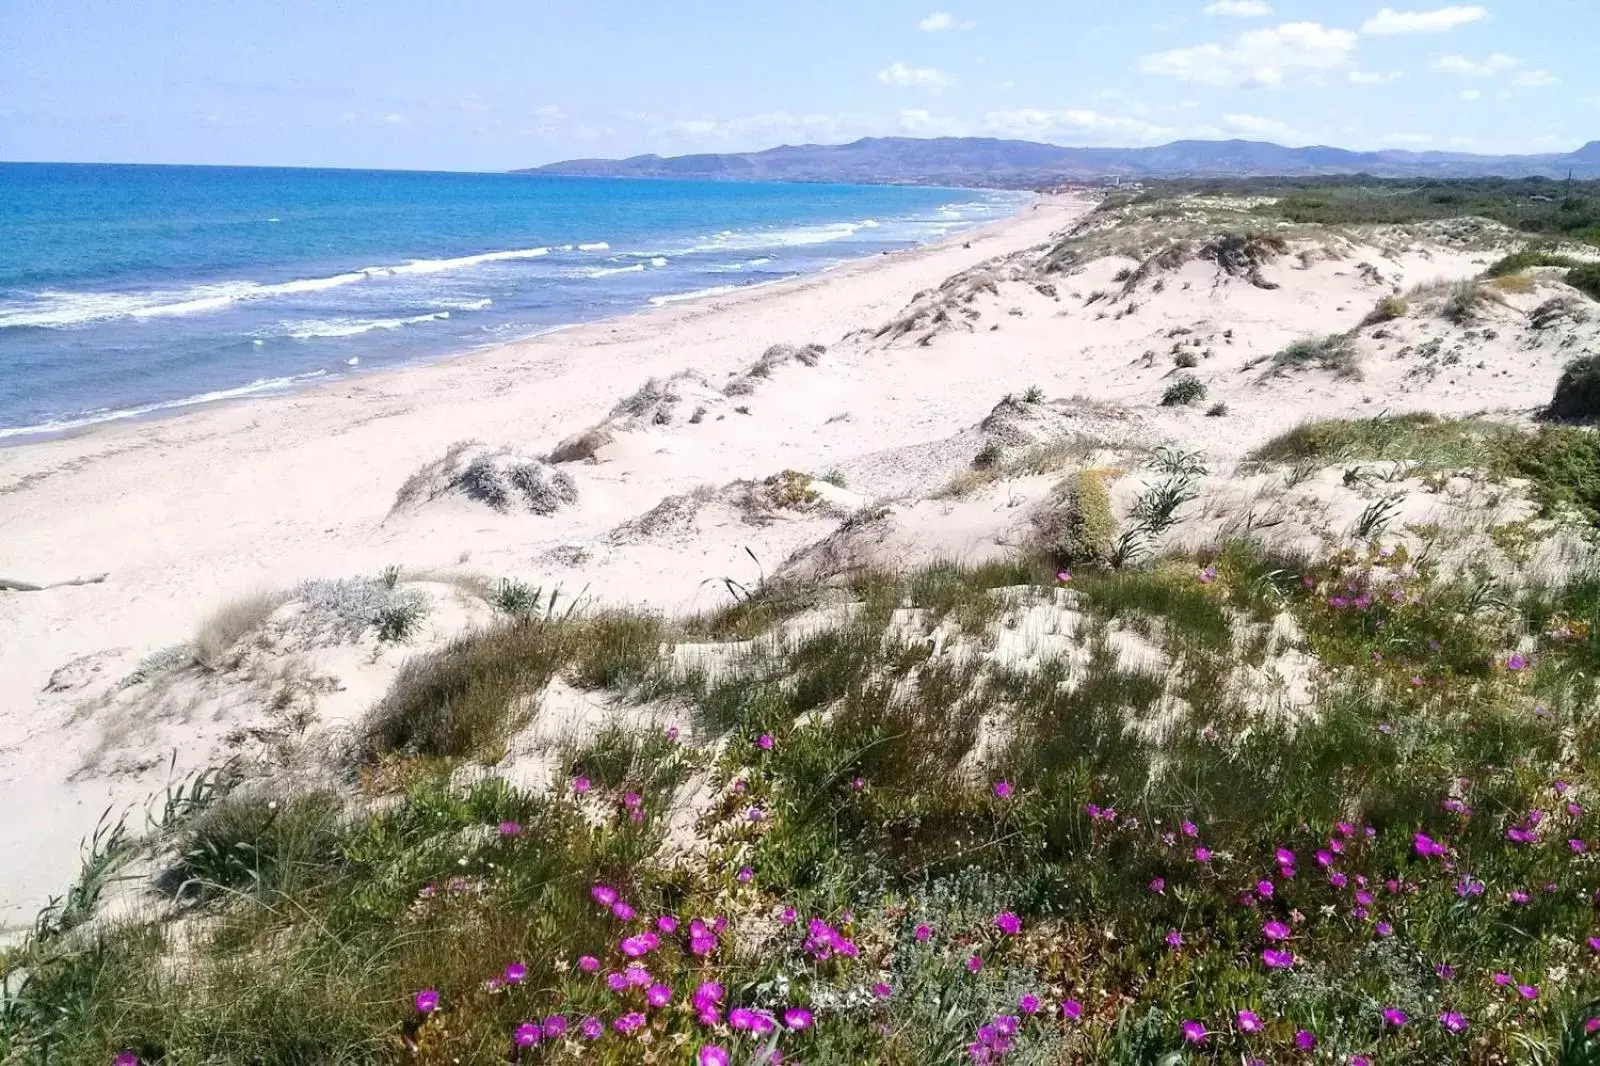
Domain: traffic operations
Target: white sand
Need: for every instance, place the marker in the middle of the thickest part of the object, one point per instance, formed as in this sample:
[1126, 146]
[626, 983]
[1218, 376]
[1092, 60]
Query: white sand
[186, 514]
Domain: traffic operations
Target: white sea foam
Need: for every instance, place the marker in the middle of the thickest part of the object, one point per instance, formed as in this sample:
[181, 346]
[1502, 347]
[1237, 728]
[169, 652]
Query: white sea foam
[597, 246]
[260, 385]
[53, 309]
[658, 261]
[698, 294]
[869, 223]
[348, 327]
[470, 305]
[606, 272]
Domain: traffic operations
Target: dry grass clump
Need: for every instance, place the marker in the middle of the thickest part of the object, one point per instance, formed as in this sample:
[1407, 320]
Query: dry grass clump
[1387, 309]
[465, 700]
[215, 644]
[1335, 353]
[1077, 528]
[500, 478]
[580, 447]
[1243, 255]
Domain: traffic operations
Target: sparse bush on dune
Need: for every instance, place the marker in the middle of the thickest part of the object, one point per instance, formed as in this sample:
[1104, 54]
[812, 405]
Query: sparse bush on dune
[503, 479]
[581, 447]
[1527, 259]
[215, 644]
[1242, 255]
[1077, 527]
[1187, 389]
[1335, 353]
[1387, 309]
[1577, 395]
[1586, 279]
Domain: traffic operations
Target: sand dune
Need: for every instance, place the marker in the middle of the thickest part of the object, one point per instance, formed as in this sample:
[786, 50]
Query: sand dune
[664, 458]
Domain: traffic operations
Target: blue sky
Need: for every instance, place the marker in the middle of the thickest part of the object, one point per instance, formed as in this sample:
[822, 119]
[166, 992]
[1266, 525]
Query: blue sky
[494, 84]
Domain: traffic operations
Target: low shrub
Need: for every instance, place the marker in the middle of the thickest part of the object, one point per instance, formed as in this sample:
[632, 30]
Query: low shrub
[1387, 309]
[1335, 353]
[1586, 279]
[1079, 527]
[1577, 395]
[1184, 391]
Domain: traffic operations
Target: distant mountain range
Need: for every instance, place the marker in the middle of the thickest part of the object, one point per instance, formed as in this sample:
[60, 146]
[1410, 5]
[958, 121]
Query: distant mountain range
[987, 161]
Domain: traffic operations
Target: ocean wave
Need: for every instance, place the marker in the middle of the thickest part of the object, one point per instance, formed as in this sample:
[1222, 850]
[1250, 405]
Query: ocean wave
[698, 294]
[55, 310]
[352, 327]
[597, 246]
[658, 260]
[606, 272]
[743, 264]
[470, 305]
[91, 418]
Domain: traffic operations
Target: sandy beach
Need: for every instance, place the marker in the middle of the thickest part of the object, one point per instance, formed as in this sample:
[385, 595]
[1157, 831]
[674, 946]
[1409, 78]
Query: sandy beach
[187, 514]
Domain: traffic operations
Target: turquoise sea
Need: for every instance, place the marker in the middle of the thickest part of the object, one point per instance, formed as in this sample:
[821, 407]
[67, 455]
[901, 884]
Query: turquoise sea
[130, 290]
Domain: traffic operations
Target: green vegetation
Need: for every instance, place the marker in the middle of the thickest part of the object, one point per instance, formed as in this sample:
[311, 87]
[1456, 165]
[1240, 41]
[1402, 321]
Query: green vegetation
[1187, 389]
[1561, 463]
[1586, 279]
[1527, 259]
[1577, 395]
[1387, 309]
[1388, 829]
[1083, 529]
[1336, 354]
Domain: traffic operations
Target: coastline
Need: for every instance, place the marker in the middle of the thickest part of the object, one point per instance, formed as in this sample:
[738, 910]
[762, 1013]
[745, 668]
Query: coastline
[291, 373]
[187, 513]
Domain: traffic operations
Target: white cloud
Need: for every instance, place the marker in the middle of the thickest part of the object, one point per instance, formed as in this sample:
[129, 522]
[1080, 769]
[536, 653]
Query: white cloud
[1073, 125]
[898, 73]
[1247, 9]
[393, 119]
[1410, 140]
[1258, 58]
[1463, 142]
[1470, 95]
[761, 130]
[940, 21]
[1535, 78]
[919, 122]
[1389, 22]
[1366, 77]
[1256, 126]
[1462, 67]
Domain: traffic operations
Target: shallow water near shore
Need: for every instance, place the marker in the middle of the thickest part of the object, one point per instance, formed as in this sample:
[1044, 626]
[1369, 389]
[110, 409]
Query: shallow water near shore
[128, 291]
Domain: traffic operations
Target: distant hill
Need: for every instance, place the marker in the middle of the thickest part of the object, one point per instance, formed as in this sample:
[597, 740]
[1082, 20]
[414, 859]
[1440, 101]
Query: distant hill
[991, 162]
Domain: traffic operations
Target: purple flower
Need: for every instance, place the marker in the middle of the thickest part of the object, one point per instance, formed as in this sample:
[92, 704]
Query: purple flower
[510, 829]
[1384, 929]
[1249, 1022]
[1275, 931]
[1453, 1022]
[1072, 1010]
[1008, 923]
[588, 963]
[922, 933]
[580, 784]
[1594, 943]
[1305, 1040]
[1158, 885]
[1202, 855]
[554, 1026]
[427, 1001]
[1395, 1016]
[526, 1035]
[124, 1058]
[604, 895]
[712, 1055]
[622, 911]
[1516, 662]
[1174, 939]
[1028, 1004]
[797, 1018]
[658, 995]
[1194, 1032]
[1276, 959]
[974, 964]
[882, 991]
[1264, 888]
[764, 742]
[1528, 991]
[1002, 789]
[516, 973]
[667, 924]
[1445, 971]
[745, 875]
[629, 1022]
[591, 1028]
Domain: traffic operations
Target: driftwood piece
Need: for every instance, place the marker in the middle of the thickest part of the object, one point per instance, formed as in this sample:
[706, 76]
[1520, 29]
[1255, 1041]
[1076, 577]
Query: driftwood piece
[12, 585]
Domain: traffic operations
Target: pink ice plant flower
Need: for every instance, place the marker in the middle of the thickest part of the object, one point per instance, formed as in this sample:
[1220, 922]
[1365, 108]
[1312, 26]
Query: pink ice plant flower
[712, 1055]
[1002, 789]
[427, 1001]
[1249, 1022]
[1194, 1032]
[527, 1034]
[1072, 1010]
[1008, 923]
[1454, 1022]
